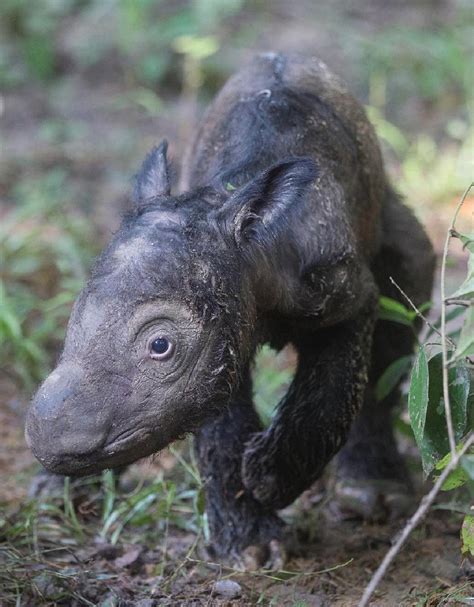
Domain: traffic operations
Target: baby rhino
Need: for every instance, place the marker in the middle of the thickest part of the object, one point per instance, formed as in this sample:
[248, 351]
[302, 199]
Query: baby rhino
[288, 232]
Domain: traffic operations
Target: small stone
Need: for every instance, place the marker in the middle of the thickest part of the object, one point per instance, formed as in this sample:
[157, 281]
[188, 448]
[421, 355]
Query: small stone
[227, 588]
[146, 603]
[48, 586]
[130, 558]
[109, 601]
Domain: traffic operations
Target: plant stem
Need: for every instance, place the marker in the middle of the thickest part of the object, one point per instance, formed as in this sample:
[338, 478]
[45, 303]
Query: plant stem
[419, 313]
[413, 522]
[444, 349]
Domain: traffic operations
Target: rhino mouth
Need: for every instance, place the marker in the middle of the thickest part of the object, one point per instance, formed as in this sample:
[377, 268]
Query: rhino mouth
[125, 440]
[123, 450]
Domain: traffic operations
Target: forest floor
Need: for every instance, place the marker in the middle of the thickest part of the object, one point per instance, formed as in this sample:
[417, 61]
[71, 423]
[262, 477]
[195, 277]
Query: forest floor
[71, 562]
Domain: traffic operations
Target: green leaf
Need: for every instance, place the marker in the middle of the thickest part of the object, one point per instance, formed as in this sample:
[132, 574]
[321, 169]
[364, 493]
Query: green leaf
[418, 396]
[10, 326]
[466, 290]
[197, 47]
[429, 425]
[108, 483]
[467, 462]
[463, 473]
[201, 502]
[393, 310]
[443, 462]
[467, 240]
[466, 339]
[467, 535]
[391, 377]
[425, 307]
[403, 427]
[456, 478]
[39, 55]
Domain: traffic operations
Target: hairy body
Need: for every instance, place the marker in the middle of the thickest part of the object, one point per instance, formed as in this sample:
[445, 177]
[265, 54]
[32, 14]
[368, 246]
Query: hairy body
[287, 233]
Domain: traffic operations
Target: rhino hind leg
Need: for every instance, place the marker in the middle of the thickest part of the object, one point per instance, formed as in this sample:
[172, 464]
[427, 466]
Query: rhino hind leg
[372, 480]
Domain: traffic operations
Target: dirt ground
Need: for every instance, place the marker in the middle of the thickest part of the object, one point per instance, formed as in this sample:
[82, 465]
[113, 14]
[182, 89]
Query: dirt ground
[331, 560]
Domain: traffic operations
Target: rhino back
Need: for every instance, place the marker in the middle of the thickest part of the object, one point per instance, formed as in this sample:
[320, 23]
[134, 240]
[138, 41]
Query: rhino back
[290, 105]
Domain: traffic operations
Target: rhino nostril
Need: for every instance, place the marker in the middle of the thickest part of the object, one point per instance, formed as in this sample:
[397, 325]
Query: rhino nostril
[64, 418]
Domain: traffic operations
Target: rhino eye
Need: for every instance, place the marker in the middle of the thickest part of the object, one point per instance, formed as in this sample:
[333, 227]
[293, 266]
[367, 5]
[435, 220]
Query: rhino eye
[161, 348]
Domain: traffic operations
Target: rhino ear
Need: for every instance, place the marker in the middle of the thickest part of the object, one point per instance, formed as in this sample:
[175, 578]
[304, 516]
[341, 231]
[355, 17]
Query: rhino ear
[258, 211]
[153, 179]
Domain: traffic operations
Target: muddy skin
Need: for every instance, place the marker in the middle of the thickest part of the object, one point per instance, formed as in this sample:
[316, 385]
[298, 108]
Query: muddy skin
[288, 231]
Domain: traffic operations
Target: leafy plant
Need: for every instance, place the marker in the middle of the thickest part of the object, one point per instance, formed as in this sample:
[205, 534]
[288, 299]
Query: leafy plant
[141, 34]
[441, 406]
[441, 397]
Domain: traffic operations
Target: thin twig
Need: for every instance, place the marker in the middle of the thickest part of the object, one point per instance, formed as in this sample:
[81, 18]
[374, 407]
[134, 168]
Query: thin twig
[419, 313]
[452, 301]
[270, 574]
[444, 350]
[413, 522]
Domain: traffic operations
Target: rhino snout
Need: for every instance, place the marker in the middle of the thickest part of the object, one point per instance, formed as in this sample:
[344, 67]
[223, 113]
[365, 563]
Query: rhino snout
[59, 428]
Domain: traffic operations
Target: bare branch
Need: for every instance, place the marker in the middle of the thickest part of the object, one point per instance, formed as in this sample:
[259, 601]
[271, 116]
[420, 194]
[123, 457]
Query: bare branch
[419, 313]
[413, 521]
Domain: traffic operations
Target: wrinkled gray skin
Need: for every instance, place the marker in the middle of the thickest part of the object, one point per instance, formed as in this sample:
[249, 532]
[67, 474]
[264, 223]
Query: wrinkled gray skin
[288, 232]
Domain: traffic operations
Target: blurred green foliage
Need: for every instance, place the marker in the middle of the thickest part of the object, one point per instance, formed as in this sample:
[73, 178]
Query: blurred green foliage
[433, 64]
[46, 247]
[427, 171]
[44, 40]
[137, 34]
[27, 43]
[428, 73]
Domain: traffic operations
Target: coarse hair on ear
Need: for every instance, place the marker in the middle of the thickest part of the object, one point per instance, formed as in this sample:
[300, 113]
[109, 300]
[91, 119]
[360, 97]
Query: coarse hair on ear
[153, 180]
[257, 211]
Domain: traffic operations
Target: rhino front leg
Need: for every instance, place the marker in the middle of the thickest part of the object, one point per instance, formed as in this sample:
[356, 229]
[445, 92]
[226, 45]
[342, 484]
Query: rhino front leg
[243, 531]
[314, 418]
